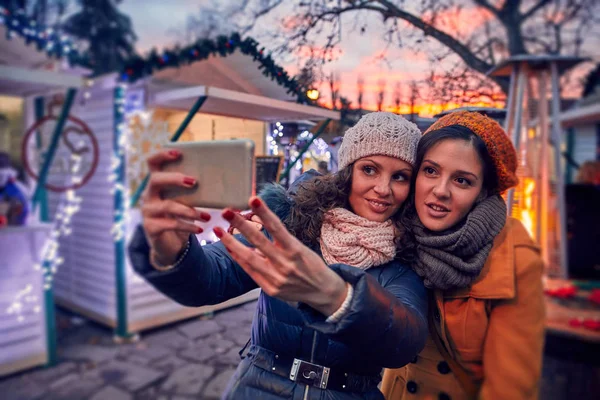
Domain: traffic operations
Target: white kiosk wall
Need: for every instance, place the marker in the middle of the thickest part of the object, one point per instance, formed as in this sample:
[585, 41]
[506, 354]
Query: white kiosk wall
[86, 281]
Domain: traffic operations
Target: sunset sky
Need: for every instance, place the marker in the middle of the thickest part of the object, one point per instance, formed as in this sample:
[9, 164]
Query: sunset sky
[359, 56]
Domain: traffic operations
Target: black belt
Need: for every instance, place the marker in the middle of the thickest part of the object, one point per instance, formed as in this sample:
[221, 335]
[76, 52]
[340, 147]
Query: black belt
[311, 374]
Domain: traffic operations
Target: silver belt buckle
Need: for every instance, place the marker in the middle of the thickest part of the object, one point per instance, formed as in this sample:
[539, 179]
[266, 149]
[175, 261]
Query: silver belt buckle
[309, 374]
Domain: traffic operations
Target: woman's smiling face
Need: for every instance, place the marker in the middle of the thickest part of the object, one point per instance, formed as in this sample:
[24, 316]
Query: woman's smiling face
[449, 181]
[380, 185]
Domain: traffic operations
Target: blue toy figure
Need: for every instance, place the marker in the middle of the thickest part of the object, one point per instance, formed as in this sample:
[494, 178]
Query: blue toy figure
[13, 200]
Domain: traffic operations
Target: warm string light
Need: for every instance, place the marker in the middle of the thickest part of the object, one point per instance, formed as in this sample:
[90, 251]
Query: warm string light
[306, 135]
[118, 160]
[51, 259]
[22, 298]
[321, 146]
[272, 139]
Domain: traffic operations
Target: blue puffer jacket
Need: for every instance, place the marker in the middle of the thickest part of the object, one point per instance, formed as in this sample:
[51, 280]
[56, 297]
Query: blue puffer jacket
[386, 325]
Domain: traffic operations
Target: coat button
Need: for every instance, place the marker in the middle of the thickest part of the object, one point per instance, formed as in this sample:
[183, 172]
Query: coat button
[411, 387]
[443, 396]
[443, 368]
[414, 360]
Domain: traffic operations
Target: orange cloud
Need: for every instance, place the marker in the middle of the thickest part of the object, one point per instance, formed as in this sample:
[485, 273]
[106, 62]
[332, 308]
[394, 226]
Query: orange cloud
[387, 63]
[307, 52]
[292, 22]
[459, 21]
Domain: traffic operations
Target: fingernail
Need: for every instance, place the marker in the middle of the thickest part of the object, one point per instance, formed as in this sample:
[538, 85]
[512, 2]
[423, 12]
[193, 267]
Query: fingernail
[255, 203]
[189, 181]
[204, 215]
[199, 230]
[174, 153]
[228, 215]
[218, 231]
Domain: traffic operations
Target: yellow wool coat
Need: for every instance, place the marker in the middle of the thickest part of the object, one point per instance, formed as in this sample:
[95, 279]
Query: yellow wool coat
[494, 329]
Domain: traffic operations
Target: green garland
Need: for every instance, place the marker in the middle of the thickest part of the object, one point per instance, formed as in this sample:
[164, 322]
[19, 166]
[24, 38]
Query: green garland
[46, 39]
[139, 67]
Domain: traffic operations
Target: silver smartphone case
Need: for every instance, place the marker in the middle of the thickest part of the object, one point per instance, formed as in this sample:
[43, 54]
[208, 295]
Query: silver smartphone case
[224, 170]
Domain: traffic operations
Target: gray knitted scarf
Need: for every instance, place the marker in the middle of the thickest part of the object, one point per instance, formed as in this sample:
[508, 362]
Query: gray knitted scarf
[454, 258]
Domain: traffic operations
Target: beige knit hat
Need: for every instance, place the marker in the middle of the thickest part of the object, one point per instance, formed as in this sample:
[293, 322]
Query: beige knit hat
[380, 133]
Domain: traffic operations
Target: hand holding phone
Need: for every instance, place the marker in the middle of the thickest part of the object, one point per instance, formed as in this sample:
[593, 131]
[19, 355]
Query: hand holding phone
[223, 170]
[167, 223]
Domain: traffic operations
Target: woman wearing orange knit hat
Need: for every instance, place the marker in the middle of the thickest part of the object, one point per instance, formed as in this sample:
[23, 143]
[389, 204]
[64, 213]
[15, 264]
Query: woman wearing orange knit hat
[486, 316]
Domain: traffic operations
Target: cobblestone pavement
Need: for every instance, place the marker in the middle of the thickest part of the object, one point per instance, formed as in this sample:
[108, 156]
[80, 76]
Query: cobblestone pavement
[192, 359]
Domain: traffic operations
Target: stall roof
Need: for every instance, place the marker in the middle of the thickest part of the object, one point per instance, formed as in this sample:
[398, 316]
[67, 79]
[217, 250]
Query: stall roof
[543, 61]
[236, 71]
[227, 62]
[580, 115]
[25, 71]
[22, 82]
[238, 104]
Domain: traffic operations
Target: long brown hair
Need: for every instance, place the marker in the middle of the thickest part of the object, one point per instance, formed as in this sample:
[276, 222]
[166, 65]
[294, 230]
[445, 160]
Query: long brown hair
[319, 195]
[407, 243]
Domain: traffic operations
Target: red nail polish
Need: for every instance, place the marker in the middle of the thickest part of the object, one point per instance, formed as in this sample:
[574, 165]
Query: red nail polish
[174, 153]
[218, 231]
[205, 216]
[255, 203]
[228, 215]
[199, 231]
[189, 181]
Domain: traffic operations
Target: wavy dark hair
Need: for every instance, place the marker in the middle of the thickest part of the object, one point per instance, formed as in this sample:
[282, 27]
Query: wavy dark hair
[319, 195]
[407, 243]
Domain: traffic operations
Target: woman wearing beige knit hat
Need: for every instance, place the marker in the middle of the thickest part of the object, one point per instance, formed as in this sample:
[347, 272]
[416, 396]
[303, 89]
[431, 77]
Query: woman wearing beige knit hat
[486, 318]
[319, 331]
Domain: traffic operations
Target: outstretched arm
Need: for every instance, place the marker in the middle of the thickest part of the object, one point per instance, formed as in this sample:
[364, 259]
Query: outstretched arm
[206, 275]
[386, 315]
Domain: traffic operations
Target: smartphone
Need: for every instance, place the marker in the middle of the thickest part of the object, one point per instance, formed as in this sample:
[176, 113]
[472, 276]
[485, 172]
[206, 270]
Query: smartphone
[224, 170]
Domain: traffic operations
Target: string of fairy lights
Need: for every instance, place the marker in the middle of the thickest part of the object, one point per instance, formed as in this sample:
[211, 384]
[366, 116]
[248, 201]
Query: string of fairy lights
[70, 204]
[117, 170]
[46, 39]
[318, 149]
[59, 46]
[50, 258]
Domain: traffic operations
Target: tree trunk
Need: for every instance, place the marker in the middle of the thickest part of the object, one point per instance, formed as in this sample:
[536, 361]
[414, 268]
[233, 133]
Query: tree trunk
[512, 20]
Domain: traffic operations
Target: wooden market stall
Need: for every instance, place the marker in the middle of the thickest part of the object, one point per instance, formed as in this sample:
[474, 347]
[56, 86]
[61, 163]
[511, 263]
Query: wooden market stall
[27, 331]
[221, 96]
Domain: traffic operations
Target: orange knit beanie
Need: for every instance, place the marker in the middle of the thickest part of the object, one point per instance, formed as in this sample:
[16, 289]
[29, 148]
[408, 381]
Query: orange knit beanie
[497, 142]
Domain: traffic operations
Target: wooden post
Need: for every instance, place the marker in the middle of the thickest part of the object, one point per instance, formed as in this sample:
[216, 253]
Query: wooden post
[560, 184]
[544, 176]
[516, 122]
[37, 196]
[43, 196]
[511, 99]
[60, 124]
[122, 330]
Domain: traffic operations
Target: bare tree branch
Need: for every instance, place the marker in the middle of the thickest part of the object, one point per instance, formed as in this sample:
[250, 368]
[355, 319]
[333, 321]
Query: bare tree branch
[485, 4]
[461, 50]
[535, 8]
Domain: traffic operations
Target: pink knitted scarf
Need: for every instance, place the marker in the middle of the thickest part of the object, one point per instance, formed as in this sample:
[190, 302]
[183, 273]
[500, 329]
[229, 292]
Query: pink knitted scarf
[353, 240]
